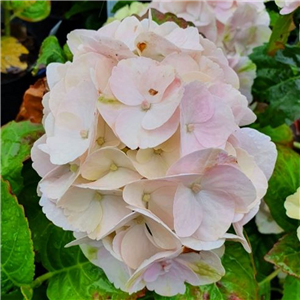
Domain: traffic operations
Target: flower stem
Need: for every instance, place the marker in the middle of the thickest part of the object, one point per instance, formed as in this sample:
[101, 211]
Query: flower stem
[270, 277]
[39, 280]
[6, 17]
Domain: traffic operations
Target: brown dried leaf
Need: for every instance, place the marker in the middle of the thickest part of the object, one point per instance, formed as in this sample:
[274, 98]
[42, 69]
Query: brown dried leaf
[32, 108]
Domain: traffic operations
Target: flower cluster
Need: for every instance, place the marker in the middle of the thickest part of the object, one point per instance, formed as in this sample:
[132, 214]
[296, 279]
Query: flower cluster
[235, 26]
[144, 158]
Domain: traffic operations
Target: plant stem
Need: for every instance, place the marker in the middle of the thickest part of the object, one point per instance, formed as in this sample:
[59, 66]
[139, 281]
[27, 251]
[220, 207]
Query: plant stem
[6, 15]
[296, 145]
[277, 290]
[270, 277]
[38, 281]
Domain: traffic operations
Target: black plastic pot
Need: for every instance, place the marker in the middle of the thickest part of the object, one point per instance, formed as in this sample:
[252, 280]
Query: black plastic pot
[12, 95]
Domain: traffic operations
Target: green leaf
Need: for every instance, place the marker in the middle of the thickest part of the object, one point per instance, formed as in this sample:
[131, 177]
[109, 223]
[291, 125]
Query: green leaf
[280, 135]
[50, 51]
[277, 84]
[281, 31]
[17, 256]
[16, 142]
[27, 292]
[290, 56]
[28, 197]
[261, 244]
[32, 11]
[93, 21]
[284, 103]
[68, 53]
[269, 72]
[264, 291]
[83, 6]
[286, 255]
[15, 295]
[284, 182]
[239, 281]
[291, 288]
[73, 276]
[119, 5]
[16, 4]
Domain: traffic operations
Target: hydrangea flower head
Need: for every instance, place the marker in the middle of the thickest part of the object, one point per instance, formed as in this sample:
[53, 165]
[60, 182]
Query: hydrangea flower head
[143, 156]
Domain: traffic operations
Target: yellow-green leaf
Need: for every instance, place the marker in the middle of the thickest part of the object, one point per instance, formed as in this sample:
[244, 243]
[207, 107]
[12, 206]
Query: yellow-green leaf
[32, 11]
[11, 51]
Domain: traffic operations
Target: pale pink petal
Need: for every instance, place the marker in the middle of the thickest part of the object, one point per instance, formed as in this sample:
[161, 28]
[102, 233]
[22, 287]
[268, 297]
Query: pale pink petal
[249, 167]
[77, 200]
[109, 168]
[143, 247]
[215, 206]
[217, 55]
[128, 30]
[154, 46]
[160, 113]
[134, 136]
[187, 39]
[116, 271]
[162, 235]
[161, 204]
[205, 121]
[87, 220]
[56, 72]
[137, 278]
[156, 195]
[182, 62]
[58, 181]
[152, 273]
[206, 265]
[239, 105]
[188, 214]
[125, 79]
[55, 214]
[196, 244]
[260, 147]
[168, 284]
[114, 210]
[233, 182]
[197, 162]
[41, 160]
[154, 163]
[74, 39]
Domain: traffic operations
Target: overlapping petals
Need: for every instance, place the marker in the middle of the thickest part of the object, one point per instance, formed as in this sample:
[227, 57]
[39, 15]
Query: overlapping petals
[205, 120]
[235, 26]
[143, 158]
[287, 6]
[167, 275]
[151, 106]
